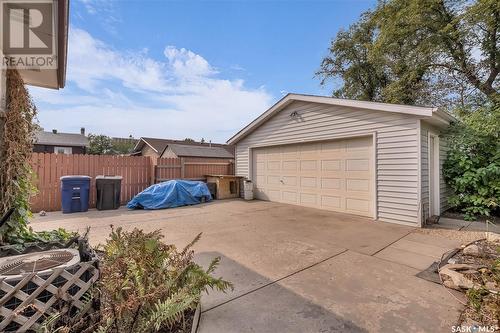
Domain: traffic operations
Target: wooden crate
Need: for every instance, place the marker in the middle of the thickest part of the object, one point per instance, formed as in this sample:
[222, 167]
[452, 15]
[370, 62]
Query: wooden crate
[26, 302]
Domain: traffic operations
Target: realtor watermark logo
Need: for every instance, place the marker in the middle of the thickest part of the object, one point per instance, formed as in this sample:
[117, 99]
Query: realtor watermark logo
[28, 34]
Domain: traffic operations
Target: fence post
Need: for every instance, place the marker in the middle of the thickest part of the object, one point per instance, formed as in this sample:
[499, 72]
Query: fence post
[152, 165]
[183, 167]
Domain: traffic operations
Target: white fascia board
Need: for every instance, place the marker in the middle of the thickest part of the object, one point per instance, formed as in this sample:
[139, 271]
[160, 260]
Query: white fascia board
[405, 109]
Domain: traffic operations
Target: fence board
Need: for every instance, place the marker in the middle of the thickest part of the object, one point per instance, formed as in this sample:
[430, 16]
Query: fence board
[191, 168]
[138, 172]
[48, 168]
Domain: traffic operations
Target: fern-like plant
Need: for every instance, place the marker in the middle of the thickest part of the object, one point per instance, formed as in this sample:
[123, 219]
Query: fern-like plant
[149, 286]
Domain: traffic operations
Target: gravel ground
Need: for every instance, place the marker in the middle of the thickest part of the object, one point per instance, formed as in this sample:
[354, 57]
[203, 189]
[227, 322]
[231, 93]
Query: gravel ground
[464, 236]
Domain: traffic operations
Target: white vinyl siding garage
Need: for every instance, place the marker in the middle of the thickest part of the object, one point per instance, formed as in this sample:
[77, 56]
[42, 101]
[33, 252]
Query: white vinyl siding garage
[443, 188]
[334, 175]
[396, 148]
[284, 152]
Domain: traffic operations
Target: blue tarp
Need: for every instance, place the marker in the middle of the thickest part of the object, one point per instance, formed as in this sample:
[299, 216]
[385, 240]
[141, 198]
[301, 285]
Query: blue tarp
[170, 194]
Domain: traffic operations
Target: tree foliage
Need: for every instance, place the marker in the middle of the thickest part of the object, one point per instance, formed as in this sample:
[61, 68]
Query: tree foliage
[472, 166]
[100, 144]
[438, 52]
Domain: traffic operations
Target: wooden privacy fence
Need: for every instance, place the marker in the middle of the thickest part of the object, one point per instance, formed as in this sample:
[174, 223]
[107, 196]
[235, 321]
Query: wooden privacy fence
[48, 168]
[191, 168]
[138, 172]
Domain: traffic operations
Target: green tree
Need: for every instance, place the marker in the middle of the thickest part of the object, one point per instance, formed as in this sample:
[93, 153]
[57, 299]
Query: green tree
[472, 166]
[419, 52]
[100, 145]
[123, 146]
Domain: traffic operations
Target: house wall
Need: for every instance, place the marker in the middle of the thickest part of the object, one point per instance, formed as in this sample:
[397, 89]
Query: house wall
[50, 149]
[396, 147]
[168, 153]
[148, 151]
[444, 190]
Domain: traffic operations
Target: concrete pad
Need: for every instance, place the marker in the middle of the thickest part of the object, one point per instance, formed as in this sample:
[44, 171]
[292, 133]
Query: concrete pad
[407, 258]
[417, 250]
[351, 292]
[263, 242]
[443, 243]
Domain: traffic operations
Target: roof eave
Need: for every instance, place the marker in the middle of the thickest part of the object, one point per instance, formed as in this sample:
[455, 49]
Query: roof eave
[289, 98]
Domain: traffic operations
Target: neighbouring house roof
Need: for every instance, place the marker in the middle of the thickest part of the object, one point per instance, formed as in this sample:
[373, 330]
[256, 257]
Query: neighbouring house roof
[438, 116]
[159, 145]
[61, 139]
[199, 151]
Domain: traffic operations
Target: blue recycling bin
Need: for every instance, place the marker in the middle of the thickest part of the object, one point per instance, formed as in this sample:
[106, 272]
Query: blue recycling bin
[75, 193]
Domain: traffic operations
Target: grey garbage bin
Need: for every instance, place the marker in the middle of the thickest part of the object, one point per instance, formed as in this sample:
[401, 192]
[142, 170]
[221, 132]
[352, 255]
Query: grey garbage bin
[108, 192]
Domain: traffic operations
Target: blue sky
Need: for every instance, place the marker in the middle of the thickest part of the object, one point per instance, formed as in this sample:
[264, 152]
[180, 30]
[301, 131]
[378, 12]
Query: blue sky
[177, 69]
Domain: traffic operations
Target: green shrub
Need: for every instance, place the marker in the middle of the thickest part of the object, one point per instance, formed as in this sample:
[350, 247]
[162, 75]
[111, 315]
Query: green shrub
[472, 166]
[147, 285]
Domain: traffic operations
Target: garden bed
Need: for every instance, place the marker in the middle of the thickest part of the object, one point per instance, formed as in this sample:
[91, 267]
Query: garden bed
[475, 271]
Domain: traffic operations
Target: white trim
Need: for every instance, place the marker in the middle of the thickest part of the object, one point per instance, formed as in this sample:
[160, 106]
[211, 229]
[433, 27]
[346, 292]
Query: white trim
[375, 175]
[419, 174]
[142, 139]
[434, 190]
[330, 138]
[376, 106]
[250, 164]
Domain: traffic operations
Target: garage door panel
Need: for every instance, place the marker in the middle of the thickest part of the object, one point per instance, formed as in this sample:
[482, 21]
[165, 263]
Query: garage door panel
[308, 182]
[308, 199]
[274, 165]
[357, 165]
[332, 165]
[358, 185]
[331, 202]
[289, 181]
[357, 205]
[289, 165]
[334, 175]
[273, 180]
[308, 165]
[290, 197]
[332, 183]
[332, 147]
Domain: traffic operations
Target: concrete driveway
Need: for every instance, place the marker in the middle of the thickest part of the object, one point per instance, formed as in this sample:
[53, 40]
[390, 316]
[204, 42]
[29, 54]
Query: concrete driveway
[297, 269]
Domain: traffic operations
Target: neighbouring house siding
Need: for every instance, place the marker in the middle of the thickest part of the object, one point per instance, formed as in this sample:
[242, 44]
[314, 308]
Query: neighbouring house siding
[396, 146]
[148, 151]
[444, 190]
[168, 153]
[37, 148]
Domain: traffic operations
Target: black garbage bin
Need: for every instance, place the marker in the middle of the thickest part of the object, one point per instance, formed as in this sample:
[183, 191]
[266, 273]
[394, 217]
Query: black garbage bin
[108, 192]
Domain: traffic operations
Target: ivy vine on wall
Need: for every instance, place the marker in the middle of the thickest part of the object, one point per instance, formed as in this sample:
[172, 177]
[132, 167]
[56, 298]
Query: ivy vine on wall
[16, 176]
[17, 144]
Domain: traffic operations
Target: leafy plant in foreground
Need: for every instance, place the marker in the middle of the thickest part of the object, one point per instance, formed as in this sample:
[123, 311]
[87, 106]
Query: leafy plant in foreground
[147, 285]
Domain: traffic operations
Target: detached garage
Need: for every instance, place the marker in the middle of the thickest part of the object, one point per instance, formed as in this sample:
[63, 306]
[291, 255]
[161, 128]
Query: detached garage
[371, 159]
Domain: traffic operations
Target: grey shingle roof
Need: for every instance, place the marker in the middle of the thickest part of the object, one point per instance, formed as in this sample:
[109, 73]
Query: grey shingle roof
[199, 151]
[61, 139]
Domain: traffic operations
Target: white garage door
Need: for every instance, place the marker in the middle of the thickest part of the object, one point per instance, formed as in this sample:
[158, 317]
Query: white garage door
[333, 175]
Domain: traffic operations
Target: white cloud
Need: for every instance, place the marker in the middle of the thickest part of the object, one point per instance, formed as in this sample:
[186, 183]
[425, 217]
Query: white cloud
[187, 64]
[125, 92]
